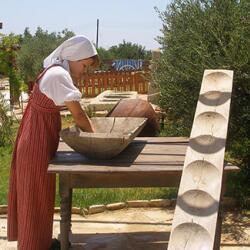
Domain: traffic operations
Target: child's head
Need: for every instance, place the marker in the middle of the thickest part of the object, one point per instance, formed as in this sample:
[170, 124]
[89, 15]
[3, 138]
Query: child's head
[78, 51]
[79, 67]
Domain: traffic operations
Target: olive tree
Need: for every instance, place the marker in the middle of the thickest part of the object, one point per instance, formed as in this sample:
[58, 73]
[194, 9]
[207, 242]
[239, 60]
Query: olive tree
[199, 35]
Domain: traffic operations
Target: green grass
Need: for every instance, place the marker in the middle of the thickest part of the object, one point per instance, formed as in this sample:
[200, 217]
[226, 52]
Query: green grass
[67, 121]
[5, 159]
[84, 197]
[87, 197]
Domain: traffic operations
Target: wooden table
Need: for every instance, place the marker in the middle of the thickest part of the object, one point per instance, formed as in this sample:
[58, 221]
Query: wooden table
[146, 162]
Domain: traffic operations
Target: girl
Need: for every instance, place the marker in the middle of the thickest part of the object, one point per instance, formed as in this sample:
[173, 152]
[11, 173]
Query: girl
[31, 189]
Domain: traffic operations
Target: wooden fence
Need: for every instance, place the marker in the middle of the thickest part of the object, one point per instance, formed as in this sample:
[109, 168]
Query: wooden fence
[95, 83]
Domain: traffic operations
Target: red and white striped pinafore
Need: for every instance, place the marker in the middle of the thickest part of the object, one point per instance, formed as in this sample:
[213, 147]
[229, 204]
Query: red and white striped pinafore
[31, 188]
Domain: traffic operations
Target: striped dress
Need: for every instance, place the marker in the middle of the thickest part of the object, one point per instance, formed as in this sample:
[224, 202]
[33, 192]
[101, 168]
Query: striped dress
[31, 189]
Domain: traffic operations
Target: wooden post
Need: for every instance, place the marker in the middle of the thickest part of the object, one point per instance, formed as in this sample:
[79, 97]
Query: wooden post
[118, 81]
[65, 209]
[97, 33]
[99, 82]
[86, 83]
[196, 219]
[105, 81]
[130, 82]
[137, 88]
[92, 82]
[111, 80]
[79, 85]
[143, 77]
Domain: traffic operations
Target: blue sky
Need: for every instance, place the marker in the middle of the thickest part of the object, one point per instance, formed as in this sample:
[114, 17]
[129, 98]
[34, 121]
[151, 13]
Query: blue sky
[134, 21]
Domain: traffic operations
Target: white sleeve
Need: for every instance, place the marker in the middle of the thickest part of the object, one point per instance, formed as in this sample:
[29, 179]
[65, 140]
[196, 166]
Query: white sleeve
[57, 85]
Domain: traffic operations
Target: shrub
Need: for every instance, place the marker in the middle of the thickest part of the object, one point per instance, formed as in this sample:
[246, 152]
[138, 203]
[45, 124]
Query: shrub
[5, 124]
[34, 49]
[199, 35]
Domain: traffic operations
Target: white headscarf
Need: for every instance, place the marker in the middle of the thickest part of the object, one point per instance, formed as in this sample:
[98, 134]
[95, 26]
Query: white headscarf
[73, 49]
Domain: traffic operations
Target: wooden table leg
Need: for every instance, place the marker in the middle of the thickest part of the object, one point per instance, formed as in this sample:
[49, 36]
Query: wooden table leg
[70, 208]
[220, 216]
[65, 194]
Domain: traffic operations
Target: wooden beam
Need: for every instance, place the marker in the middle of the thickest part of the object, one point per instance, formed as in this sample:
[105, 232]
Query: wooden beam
[195, 219]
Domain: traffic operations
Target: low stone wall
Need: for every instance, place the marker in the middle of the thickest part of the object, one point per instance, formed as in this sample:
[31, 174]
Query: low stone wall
[227, 204]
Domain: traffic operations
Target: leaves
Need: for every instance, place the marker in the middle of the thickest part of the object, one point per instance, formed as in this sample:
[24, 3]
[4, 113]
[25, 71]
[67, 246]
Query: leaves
[9, 47]
[5, 124]
[34, 49]
[125, 50]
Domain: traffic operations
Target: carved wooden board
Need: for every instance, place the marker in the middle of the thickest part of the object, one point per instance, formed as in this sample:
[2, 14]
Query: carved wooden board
[195, 218]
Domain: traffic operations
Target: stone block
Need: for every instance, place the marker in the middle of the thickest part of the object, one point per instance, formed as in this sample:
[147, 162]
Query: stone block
[96, 209]
[109, 98]
[115, 206]
[138, 203]
[160, 203]
[76, 210]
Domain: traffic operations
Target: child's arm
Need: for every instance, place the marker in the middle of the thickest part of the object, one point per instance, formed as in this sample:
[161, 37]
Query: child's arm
[80, 117]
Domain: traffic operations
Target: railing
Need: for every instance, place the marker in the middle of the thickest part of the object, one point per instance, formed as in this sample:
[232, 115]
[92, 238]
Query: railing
[95, 83]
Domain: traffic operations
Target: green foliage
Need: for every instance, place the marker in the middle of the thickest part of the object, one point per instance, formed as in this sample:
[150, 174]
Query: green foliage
[5, 124]
[16, 82]
[199, 35]
[125, 50]
[9, 46]
[5, 158]
[128, 50]
[105, 54]
[8, 50]
[35, 48]
[105, 57]
[94, 196]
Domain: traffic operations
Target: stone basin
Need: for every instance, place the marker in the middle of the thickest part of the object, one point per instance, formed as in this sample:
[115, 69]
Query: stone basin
[109, 98]
[112, 135]
[117, 96]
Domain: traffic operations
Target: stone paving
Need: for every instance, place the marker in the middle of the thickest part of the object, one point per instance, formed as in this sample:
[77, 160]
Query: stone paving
[138, 229]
